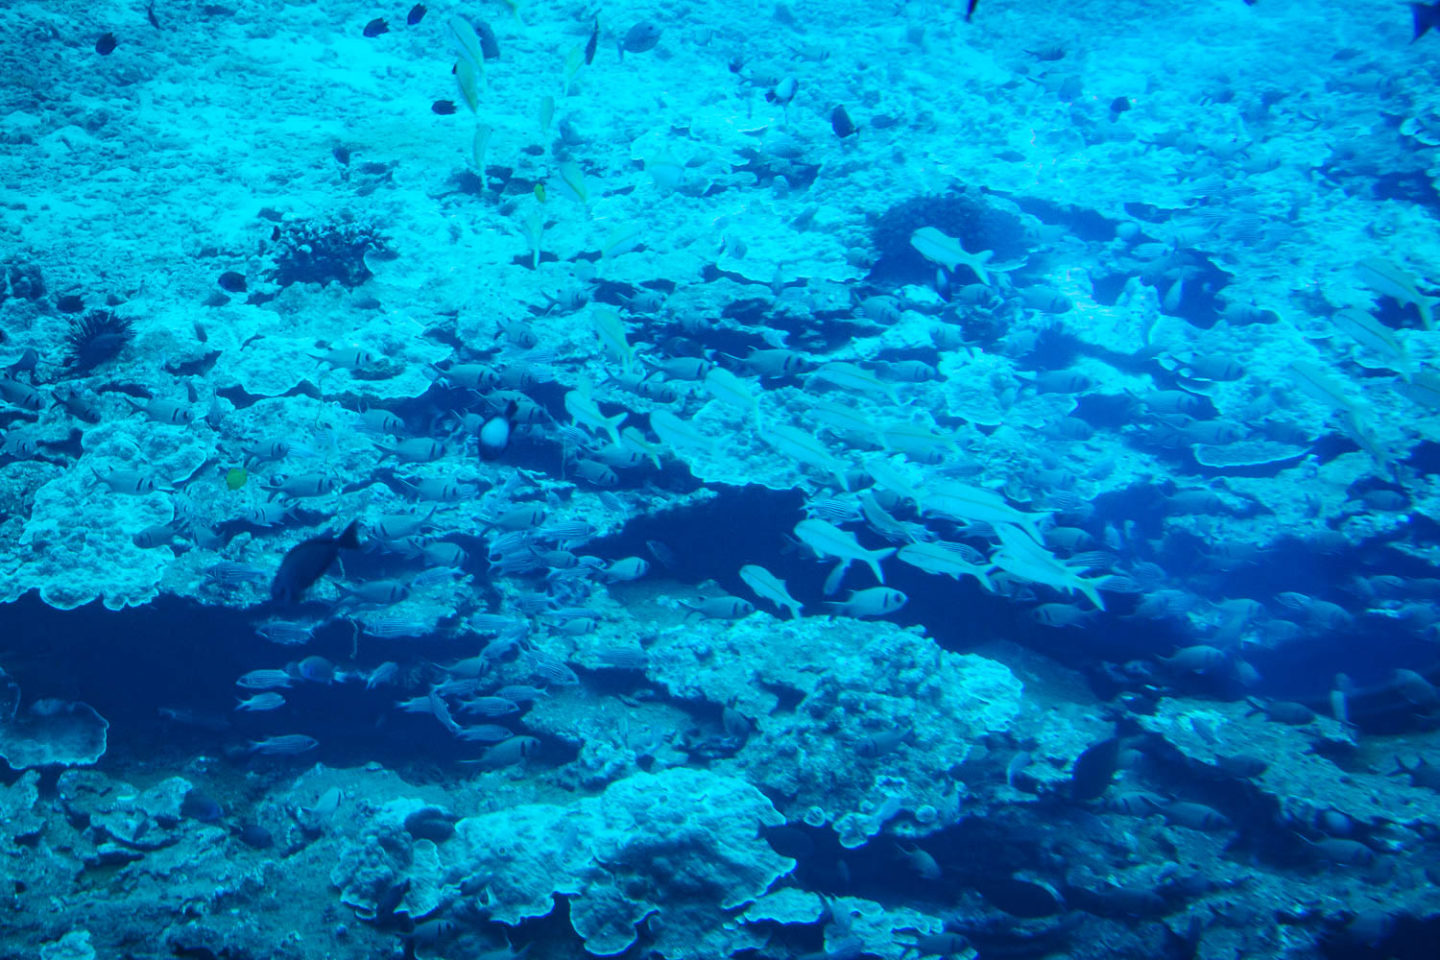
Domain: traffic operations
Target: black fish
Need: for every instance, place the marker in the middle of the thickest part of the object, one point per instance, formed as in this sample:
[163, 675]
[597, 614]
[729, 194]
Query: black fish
[376, 27]
[1422, 774]
[639, 38]
[392, 898]
[788, 841]
[592, 43]
[970, 10]
[1021, 898]
[307, 562]
[150, 15]
[1424, 17]
[106, 44]
[254, 836]
[489, 45]
[417, 13]
[198, 806]
[443, 107]
[1241, 765]
[232, 281]
[1094, 769]
[841, 123]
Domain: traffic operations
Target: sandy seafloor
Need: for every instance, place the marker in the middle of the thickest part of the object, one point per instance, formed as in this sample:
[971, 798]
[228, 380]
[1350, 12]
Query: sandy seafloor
[1181, 199]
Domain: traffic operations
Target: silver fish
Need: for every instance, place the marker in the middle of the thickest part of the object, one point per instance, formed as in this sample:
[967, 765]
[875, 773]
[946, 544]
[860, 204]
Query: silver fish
[284, 745]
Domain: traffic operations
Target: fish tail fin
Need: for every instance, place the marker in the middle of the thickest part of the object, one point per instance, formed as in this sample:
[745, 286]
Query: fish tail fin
[612, 426]
[874, 558]
[1423, 17]
[350, 539]
[1087, 587]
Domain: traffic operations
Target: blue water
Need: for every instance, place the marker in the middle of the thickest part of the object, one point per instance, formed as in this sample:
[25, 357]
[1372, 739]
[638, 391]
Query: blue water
[719, 481]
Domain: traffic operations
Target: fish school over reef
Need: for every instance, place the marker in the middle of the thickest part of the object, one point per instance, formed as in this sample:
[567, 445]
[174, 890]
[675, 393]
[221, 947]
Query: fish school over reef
[932, 479]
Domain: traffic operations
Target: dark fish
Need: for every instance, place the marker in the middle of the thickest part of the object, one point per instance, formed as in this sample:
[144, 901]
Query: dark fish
[1351, 853]
[1422, 774]
[1241, 765]
[1282, 711]
[639, 38]
[27, 363]
[376, 27]
[431, 823]
[970, 10]
[393, 896]
[1022, 898]
[841, 123]
[307, 562]
[232, 281]
[255, 836]
[489, 45]
[1113, 901]
[1196, 816]
[443, 107]
[417, 13]
[427, 934]
[1094, 769]
[197, 806]
[1424, 17]
[592, 43]
[789, 841]
[150, 15]
[106, 44]
[937, 944]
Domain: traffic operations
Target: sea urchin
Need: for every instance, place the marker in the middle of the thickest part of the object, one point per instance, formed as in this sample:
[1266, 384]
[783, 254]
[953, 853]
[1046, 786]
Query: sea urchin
[95, 338]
